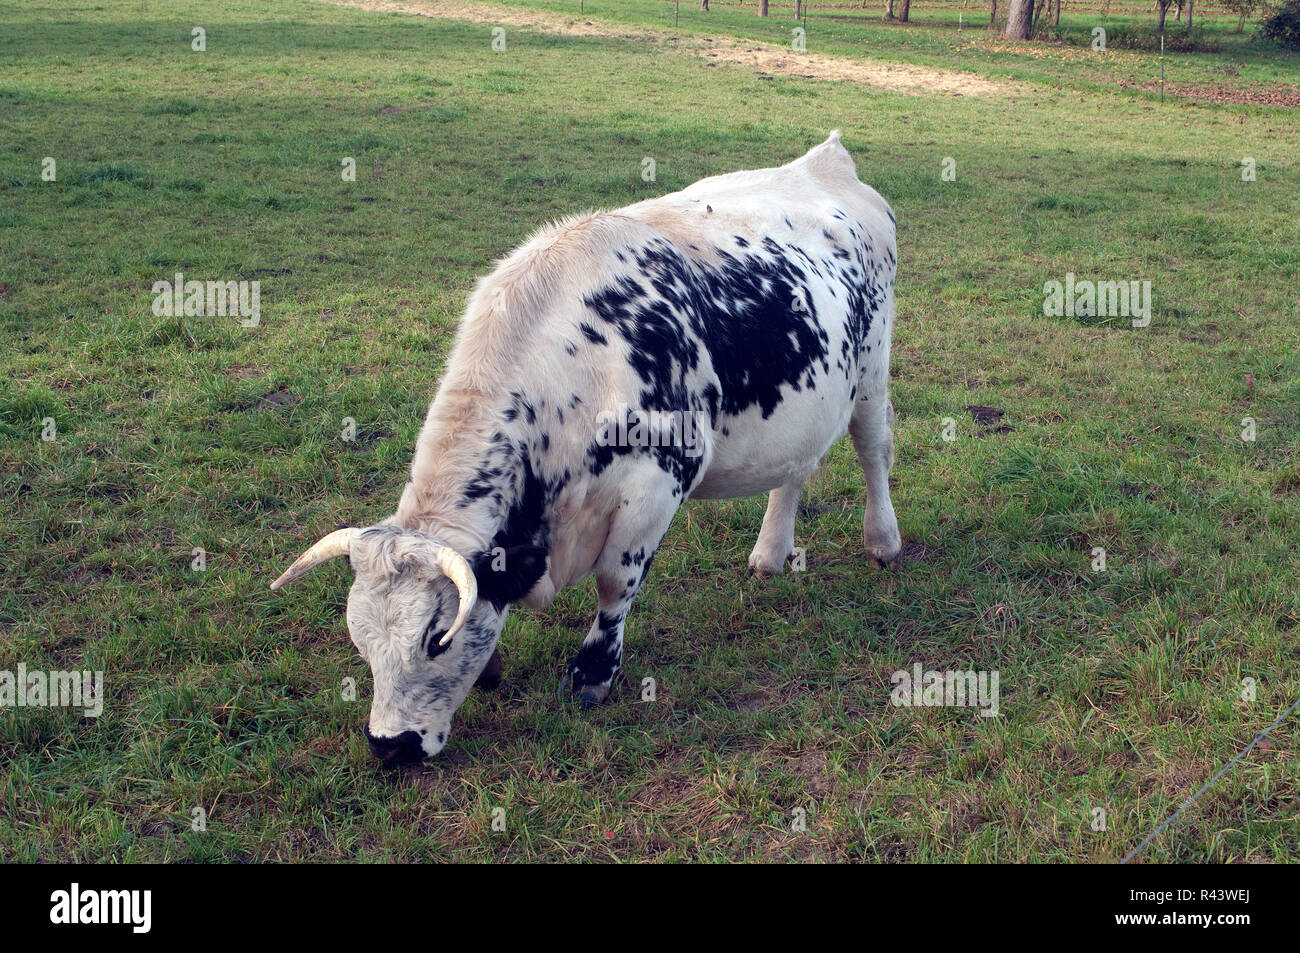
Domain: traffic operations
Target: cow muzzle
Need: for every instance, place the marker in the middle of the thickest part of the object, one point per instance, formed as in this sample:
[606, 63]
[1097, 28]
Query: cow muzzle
[400, 749]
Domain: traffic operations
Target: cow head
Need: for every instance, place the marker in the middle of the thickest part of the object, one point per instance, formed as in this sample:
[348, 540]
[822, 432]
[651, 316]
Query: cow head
[426, 619]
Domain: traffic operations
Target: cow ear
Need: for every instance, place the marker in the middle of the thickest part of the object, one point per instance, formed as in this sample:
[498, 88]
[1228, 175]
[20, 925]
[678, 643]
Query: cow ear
[507, 575]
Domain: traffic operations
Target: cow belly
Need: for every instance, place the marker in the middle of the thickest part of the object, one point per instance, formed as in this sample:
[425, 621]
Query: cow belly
[755, 455]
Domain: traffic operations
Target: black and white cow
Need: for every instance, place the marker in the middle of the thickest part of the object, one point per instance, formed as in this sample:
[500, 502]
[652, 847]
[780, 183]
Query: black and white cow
[710, 343]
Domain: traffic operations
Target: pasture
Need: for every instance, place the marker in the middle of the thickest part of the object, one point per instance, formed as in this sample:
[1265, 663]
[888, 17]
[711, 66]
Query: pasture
[192, 458]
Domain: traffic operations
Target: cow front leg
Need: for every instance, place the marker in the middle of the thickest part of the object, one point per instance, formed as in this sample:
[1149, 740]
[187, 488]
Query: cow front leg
[490, 677]
[776, 538]
[872, 430]
[620, 570]
[592, 671]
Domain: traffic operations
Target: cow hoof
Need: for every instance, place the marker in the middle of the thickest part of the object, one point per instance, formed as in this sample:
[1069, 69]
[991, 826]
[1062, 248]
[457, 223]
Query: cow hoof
[886, 555]
[891, 561]
[588, 696]
[764, 566]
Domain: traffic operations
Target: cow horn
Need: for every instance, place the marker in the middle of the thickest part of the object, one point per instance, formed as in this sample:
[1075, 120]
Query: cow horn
[331, 546]
[455, 567]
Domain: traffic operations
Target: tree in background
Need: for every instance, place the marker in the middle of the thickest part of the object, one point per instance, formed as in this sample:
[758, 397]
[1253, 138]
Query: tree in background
[762, 8]
[1283, 24]
[1162, 10]
[1038, 16]
[1020, 21]
[905, 12]
[1243, 9]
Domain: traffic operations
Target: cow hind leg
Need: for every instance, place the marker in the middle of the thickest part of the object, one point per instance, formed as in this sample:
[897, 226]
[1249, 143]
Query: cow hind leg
[872, 430]
[776, 538]
[621, 568]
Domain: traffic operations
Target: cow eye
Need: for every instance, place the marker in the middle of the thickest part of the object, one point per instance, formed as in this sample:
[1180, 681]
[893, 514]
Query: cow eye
[432, 636]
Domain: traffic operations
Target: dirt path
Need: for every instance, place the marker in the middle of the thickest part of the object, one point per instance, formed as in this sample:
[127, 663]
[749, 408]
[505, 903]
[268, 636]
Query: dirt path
[761, 57]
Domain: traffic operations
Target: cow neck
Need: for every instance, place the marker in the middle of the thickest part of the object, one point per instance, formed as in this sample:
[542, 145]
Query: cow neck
[464, 483]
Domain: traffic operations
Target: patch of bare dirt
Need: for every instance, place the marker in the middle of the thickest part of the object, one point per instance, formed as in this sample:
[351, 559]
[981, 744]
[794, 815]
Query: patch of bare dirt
[915, 552]
[764, 58]
[242, 372]
[278, 398]
[813, 768]
[987, 418]
[985, 415]
[1280, 94]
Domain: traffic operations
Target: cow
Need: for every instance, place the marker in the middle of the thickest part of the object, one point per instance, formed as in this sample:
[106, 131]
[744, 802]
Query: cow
[711, 343]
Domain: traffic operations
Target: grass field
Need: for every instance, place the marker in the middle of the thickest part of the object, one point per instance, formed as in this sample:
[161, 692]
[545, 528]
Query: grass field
[1120, 690]
[1247, 69]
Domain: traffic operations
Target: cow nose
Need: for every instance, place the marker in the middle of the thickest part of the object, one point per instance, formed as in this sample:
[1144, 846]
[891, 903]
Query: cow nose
[400, 749]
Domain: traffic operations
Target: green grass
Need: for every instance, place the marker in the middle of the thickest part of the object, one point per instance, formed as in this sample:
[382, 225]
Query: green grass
[1120, 690]
[933, 39]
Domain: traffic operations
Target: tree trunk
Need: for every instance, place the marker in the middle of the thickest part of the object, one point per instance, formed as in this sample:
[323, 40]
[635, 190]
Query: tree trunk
[889, 9]
[762, 8]
[1020, 21]
[704, 4]
[1190, 4]
[905, 12]
[1241, 23]
[1160, 22]
[1057, 20]
[1038, 17]
[993, 15]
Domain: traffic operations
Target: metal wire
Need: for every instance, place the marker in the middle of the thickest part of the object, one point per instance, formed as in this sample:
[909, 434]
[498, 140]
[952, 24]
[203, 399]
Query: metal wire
[1188, 803]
